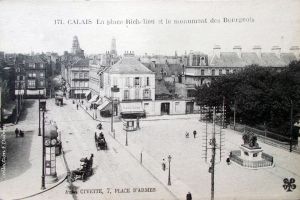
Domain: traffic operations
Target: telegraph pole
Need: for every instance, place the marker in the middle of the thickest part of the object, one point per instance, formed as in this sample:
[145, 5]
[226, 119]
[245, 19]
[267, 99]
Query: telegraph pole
[213, 157]
[43, 156]
[39, 114]
[223, 116]
[291, 128]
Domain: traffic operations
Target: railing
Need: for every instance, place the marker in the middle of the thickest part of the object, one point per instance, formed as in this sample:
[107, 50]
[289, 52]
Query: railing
[266, 162]
[267, 157]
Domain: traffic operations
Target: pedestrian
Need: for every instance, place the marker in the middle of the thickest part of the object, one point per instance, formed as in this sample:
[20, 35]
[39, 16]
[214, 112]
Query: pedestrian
[194, 133]
[228, 161]
[77, 106]
[21, 133]
[17, 132]
[187, 134]
[188, 196]
[163, 165]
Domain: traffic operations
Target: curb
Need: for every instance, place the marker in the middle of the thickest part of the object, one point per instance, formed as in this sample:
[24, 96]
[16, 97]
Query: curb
[43, 190]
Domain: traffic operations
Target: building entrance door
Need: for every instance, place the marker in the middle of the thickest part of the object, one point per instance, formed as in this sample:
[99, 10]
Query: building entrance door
[165, 108]
[189, 107]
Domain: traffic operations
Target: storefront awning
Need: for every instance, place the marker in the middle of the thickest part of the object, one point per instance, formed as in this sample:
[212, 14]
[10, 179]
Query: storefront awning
[94, 98]
[131, 108]
[103, 105]
[99, 101]
[87, 93]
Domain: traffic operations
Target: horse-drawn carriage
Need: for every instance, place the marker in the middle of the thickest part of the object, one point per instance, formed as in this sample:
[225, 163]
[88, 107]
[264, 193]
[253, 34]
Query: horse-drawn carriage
[85, 170]
[59, 98]
[100, 141]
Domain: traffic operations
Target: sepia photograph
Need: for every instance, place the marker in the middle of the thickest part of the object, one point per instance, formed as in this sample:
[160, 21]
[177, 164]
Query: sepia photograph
[149, 100]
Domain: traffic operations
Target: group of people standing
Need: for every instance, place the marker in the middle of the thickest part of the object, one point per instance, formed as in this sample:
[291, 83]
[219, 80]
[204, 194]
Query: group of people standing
[187, 134]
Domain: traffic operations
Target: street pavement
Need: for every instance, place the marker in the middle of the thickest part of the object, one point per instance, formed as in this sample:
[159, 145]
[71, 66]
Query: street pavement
[135, 171]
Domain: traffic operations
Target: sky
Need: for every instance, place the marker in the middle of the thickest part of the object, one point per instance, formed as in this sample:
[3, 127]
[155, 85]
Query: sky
[27, 26]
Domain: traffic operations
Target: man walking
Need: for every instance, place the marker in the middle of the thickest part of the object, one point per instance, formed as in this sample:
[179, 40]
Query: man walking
[188, 196]
[195, 133]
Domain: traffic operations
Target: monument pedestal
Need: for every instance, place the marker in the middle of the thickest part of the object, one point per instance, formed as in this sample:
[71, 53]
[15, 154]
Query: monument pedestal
[251, 154]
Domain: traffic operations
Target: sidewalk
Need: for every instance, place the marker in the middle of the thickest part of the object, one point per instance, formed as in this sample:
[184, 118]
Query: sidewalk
[23, 170]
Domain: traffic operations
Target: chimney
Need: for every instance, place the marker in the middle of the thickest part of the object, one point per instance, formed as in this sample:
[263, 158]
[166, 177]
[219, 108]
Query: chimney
[295, 51]
[257, 50]
[217, 51]
[238, 51]
[191, 58]
[276, 50]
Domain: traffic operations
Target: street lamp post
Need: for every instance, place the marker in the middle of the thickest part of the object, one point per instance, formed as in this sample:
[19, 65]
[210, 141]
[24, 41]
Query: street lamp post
[169, 177]
[113, 89]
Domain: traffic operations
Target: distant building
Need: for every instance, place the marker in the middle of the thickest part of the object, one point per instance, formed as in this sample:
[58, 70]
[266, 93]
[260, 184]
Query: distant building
[201, 68]
[76, 50]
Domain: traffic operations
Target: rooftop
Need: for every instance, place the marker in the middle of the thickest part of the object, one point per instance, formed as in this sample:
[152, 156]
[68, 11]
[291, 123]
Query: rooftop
[129, 65]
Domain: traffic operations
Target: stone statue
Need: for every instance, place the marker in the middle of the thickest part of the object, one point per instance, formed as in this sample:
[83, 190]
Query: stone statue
[250, 140]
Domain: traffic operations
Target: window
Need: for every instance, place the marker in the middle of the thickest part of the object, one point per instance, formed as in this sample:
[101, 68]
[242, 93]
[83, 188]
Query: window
[18, 78]
[147, 94]
[176, 106]
[202, 72]
[202, 61]
[86, 75]
[255, 155]
[18, 70]
[34, 75]
[137, 94]
[31, 65]
[202, 81]
[75, 75]
[227, 71]
[246, 153]
[220, 71]
[234, 71]
[127, 81]
[42, 83]
[126, 94]
[115, 81]
[213, 72]
[86, 84]
[80, 75]
[42, 74]
[31, 83]
[21, 78]
[148, 81]
[136, 81]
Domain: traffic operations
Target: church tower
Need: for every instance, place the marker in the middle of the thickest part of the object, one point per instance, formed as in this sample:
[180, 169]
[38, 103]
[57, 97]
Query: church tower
[75, 45]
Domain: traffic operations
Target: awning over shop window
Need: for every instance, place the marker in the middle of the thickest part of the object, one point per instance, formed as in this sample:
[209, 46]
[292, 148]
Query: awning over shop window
[103, 105]
[99, 102]
[88, 93]
[131, 108]
[94, 98]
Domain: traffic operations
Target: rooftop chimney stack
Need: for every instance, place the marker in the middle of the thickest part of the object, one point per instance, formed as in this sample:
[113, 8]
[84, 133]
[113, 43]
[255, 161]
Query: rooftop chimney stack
[276, 50]
[257, 50]
[295, 51]
[217, 51]
[238, 51]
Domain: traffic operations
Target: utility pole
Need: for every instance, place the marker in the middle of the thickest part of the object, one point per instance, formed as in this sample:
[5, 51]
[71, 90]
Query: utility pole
[39, 113]
[223, 115]
[213, 157]
[234, 111]
[291, 128]
[43, 156]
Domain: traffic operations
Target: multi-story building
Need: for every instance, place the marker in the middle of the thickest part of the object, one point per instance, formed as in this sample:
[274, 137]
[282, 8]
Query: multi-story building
[78, 78]
[201, 68]
[35, 76]
[136, 84]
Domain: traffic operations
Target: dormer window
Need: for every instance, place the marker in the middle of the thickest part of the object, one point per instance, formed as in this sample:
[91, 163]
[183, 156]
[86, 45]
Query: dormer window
[202, 61]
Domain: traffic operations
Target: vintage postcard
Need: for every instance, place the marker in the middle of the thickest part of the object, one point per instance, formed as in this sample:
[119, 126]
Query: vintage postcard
[149, 100]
